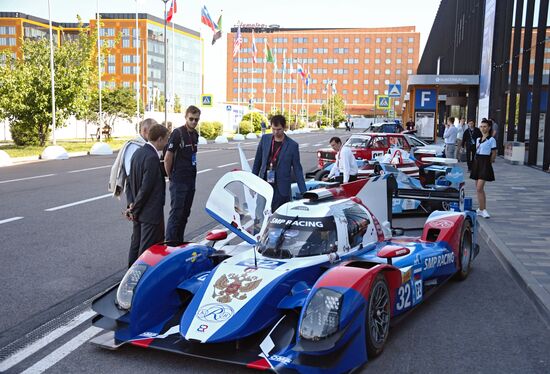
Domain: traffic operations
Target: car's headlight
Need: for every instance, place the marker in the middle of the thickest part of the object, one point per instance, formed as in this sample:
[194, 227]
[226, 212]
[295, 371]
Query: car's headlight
[322, 315]
[126, 288]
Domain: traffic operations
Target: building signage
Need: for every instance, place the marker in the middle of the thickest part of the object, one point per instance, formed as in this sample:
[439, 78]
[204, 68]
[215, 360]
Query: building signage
[425, 99]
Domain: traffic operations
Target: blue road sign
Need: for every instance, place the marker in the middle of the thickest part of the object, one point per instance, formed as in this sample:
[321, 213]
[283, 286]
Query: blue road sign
[394, 90]
[425, 99]
[207, 100]
[382, 102]
[228, 108]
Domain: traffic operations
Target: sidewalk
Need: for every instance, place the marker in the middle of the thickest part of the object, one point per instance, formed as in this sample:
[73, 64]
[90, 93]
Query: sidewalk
[518, 231]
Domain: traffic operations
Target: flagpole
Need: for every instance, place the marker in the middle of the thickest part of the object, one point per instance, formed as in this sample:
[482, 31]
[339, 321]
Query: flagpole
[136, 40]
[297, 80]
[99, 63]
[290, 89]
[283, 85]
[172, 97]
[265, 67]
[165, 70]
[251, 101]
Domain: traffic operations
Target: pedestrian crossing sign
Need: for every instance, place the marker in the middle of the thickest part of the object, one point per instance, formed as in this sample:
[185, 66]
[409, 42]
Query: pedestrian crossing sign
[394, 90]
[207, 100]
[382, 102]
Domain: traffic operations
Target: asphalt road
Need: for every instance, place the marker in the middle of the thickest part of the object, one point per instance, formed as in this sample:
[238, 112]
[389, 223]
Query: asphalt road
[54, 260]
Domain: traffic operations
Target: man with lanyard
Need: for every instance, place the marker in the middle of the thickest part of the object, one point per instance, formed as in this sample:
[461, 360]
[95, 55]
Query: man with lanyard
[180, 163]
[276, 156]
[345, 168]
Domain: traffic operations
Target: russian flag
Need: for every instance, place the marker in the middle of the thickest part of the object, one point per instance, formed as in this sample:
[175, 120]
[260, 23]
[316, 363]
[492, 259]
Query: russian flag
[173, 9]
[301, 70]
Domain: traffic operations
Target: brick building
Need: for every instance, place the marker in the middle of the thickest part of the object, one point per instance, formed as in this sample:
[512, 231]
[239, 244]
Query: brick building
[361, 62]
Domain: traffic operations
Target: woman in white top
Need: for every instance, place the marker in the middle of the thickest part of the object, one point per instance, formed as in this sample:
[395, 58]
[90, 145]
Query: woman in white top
[482, 168]
[345, 168]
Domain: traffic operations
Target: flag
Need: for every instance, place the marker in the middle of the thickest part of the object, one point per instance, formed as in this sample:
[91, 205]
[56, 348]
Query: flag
[290, 69]
[268, 54]
[207, 20]
[238, 41]
[300, 70]
[308, 79]
[254, 49]
[218, 33]
[173, 9]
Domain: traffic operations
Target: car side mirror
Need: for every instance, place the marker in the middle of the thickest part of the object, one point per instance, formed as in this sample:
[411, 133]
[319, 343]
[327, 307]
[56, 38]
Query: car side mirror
[390, 251]
[216, 235]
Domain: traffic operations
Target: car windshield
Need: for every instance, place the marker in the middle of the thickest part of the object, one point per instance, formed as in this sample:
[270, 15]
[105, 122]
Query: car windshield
[358, 142]
[288, 237]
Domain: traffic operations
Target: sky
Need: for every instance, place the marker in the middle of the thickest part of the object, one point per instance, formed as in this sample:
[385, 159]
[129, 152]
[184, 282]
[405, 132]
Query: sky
[286, 13]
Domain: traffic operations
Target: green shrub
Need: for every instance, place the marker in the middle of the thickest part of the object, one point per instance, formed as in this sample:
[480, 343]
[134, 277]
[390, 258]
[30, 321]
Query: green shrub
[257, 119]
[210, 130]
[245, 127]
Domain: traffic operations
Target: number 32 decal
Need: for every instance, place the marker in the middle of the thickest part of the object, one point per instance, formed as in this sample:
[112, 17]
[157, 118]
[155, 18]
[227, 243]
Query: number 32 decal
[404, 295]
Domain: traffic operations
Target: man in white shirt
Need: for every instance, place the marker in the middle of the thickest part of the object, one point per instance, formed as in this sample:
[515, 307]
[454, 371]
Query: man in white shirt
[461, 127]
[345, 168]
[450, 137]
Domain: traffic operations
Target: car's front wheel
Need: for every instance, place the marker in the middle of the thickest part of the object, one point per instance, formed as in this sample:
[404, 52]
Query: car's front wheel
[465, 251]
[378, 317]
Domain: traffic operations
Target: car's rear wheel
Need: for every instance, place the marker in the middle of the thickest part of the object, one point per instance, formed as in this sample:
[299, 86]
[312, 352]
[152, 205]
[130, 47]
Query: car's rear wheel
[378, 317]
[466, 250]
[320, 174]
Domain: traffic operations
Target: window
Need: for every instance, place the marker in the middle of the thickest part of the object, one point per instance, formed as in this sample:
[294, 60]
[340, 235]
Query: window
[358, 222]
[355, 71]
[335, 40]
[125, 43]
[411, 40]
[400, 40]
[387, 81]
[315, 40]
[346, 40]
[409, 60]
[378, 40]
[410, 50]
[367, 50]
[356, 50]
[355, 81]
[344, 92]
[397, 71]
[106, 32]
[365, 81]
[367, 61]
[365, 92]
[345, 81]
[388, 40]
[376, 92]
[111, 69]
[387, 71]
[399, 50]
[388, 50]
[397, 60]
[7, 30]
[377, 61]
[126, 84]
[367, 40]
[377, 50]
[366, 71]
[356, 40]
[325, 40]
[355, 92]
[111, 59]
[388, 61]
[409, 71]
[376, 82]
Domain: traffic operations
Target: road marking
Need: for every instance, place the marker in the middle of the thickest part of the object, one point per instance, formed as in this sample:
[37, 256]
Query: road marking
[213, 150]
[250, 159]
[31, 349]
[203, 171]
[78, 202]
[304, 145]
[97, 167]
[317, 145]
[27, 178]
[61, 352]
[10, 220]
[222, 166]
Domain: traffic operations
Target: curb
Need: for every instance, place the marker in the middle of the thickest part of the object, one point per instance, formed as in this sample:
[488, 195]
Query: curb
[19, 160]
[539, 296]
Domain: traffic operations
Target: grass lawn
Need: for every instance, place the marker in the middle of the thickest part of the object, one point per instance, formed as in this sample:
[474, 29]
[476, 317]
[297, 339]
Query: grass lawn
[74, 145]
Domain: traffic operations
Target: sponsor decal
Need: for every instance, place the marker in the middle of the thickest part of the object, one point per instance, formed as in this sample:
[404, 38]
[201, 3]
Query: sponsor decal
[234, 286]
[439, 260]
[406, 276]
[417, 260]
[299, 223]
[193, 257]
[441, 224]
[283, 360]
[260, 263]
[148, 334]
[202, 328]
[215, 313]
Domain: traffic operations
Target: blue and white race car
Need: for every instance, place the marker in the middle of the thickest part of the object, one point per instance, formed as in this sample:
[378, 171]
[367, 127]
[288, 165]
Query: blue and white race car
[312, 288]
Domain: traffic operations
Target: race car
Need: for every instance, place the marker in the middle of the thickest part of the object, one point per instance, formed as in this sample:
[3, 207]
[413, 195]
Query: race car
[312, 288]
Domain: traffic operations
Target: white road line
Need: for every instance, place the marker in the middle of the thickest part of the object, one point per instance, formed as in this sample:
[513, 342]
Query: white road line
[317, 145]
[27, 178]
[222, 166]
[10, 220]
[250, 159]
[97, 167]
[212, 150]
[304, 145]
[31, 349]
[61, 352]
[203, 171]
[78, 202]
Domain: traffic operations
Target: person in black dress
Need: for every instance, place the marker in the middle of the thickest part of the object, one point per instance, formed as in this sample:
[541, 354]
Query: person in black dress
[482, 167]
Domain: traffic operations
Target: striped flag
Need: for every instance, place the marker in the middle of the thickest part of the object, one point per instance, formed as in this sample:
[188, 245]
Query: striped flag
[206, 19]
[218, 33]
[254, 49]
[238, 42]
[300, 70]
[173, 9]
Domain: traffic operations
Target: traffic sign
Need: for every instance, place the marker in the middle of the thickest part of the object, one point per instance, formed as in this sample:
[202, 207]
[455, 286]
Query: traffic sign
[228, 108]
[425, 99]
[320, 113]
[391, 113]
[394, 90]
[207, 100]
[382, 102]
[273, 109]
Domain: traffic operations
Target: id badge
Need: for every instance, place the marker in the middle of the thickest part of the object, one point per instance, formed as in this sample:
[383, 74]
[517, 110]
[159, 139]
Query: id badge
[271, 176]
[194, 159]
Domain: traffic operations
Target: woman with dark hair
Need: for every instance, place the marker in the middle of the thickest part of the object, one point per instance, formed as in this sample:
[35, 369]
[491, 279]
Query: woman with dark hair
[482, 168]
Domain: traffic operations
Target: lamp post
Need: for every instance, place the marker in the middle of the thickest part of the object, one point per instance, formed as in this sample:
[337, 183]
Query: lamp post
[136, 40]
[165, 70]
[99, 64]
[52, 73]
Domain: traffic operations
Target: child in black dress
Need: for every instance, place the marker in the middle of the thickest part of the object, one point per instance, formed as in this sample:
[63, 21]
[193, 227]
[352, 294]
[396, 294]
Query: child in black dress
[482, 168]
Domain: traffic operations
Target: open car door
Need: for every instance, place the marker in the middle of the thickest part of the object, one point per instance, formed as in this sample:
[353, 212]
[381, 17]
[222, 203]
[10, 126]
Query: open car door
[241, 201]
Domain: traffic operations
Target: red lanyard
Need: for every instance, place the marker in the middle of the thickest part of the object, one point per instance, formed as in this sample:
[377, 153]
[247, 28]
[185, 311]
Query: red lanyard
[274, 155]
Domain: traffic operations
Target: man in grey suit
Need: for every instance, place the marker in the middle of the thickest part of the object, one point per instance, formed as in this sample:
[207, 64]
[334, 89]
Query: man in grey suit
[276, 156]
[147, 193]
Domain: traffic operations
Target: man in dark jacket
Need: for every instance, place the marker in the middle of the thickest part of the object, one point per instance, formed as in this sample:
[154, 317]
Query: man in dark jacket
[277, 156]
[147, 196]
[469, 142]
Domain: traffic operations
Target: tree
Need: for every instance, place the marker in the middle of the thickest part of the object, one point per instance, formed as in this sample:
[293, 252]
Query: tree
[177, 104]
[257, 118]
[119, 102]
[26, 82]
[338, 107]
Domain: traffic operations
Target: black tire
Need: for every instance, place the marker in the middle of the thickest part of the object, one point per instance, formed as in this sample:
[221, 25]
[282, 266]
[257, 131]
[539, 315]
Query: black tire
[377, 325]
[465, 251]
[320, 174]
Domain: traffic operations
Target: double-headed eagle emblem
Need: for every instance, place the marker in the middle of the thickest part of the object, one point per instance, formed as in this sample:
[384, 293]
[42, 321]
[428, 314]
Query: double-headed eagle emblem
[234, 286]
